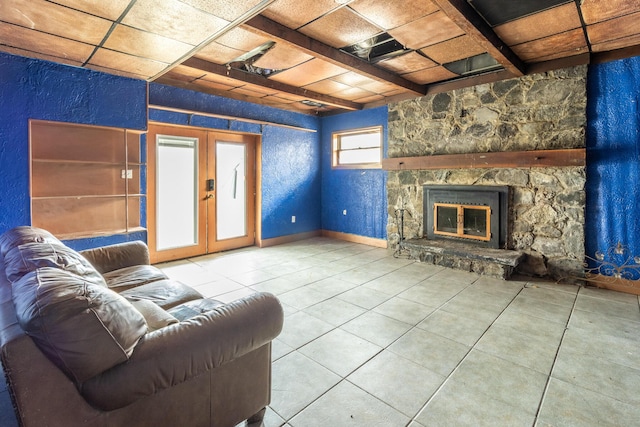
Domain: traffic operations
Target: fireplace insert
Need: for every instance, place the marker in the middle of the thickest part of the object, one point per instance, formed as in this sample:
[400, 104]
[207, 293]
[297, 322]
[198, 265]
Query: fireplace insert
[476, 214]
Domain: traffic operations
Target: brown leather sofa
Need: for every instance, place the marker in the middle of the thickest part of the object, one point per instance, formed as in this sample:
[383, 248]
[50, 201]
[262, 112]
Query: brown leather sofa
[102, 338]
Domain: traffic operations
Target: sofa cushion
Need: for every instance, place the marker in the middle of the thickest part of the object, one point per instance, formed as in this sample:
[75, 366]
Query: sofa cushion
[155, 317]
[30, 256]
[130, 277]
[165, 293]
[83, 327]
[24, 234]
[193, 308]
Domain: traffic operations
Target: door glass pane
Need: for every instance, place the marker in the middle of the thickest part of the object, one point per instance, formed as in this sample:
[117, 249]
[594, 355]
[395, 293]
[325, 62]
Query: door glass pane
[231, 207]
[475, 222]
[176, 192]
[446, 219]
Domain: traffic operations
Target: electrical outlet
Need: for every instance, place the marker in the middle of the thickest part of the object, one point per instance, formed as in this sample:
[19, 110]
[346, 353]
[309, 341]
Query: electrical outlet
[344, 212]
[293, 219]
[126, 174]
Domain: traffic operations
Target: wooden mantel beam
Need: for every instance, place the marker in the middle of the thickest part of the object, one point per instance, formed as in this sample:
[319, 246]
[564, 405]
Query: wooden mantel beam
[507, 159]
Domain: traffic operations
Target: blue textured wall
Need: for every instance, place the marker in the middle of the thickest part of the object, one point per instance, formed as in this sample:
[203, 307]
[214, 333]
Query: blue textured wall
[35, 89]
[290, 158]
[613, 156]
[362, 192]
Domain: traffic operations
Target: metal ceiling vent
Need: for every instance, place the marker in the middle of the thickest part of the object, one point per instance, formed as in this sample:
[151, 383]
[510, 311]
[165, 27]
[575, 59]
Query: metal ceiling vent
[497, 12]
[482, 63]
[245, 61]
[376, 48]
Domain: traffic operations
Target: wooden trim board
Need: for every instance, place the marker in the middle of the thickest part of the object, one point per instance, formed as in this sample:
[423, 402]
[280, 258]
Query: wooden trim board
[507, 159]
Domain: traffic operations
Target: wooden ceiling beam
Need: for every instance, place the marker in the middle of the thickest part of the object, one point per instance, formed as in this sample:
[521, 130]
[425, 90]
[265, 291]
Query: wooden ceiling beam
[465, 16]
[210, 67]
[330, 54]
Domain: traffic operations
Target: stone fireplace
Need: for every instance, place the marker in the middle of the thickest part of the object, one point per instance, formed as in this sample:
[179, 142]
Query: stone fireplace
[542, 113]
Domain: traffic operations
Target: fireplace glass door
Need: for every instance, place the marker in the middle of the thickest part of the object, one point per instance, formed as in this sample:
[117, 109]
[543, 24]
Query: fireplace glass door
[462, 221]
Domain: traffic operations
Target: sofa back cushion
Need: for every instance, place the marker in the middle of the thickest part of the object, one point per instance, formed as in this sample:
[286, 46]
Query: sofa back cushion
[22, 235]
[27, 257]
[82, 326]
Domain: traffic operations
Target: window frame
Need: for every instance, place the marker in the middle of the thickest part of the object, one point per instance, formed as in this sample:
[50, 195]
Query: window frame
[336, 150]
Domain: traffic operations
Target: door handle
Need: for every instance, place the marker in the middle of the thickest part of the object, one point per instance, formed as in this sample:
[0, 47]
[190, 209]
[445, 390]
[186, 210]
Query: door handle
[209, 196]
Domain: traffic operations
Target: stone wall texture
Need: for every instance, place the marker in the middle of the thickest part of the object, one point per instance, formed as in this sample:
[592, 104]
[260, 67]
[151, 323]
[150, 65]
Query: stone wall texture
[537, 112]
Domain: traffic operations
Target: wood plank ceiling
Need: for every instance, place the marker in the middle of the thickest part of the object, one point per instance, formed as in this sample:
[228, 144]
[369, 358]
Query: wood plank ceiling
[321, 56]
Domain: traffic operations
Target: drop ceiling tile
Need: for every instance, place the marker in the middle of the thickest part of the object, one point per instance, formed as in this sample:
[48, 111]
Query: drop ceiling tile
[407, 63]
[566, 42]
[341, 28]
[353, 93]
[242, 39]
[279, 99]
[45, 44]
[146, 45]
[111, 9]
[598, 10]
[326, 87]
[171, 77]
[430, 75]
[219, 54]
[54, 19]
[378, 87]
[117, 72]
[617, 44]
[370, 98]
[624, 26]
[544, 24]
[127, 63]
[352, 79]
[174, 19]
[217, 78]
[426, 31]
[248, 92]
[296, 13]
[186, 73]
[392, 14]
[228, 10]
[309, 72]
[396, 92]
[281, 57]
[262, 90]
[213, 85]
[453, 50]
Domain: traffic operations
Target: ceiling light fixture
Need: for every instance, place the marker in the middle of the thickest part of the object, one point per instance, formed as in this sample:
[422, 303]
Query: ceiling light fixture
[312, 103]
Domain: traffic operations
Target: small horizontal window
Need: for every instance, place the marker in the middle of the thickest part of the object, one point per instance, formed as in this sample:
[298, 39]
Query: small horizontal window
[358, 149]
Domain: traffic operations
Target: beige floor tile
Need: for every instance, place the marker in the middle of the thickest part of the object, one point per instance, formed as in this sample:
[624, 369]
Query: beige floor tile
[404, 310]
[348, 405]
[335, 311]
[296, 382]
[340, 351]
[500, 379]
[301, 328]
[376, 328]
[625, 310]
[568, 405]
[364, 297]
[458, 405]
[399, 382]
[434, 352]
[461, 329]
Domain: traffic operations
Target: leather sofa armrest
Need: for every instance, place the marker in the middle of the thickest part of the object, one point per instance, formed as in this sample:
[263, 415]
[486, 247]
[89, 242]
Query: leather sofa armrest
[115, 257]
[179, 352]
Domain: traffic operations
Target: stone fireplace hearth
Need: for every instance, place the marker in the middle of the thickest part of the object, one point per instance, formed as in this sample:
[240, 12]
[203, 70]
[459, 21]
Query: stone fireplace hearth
[533, 113]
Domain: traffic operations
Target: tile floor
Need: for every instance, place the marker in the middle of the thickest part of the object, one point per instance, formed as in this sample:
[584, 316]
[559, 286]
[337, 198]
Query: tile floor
[371, 340]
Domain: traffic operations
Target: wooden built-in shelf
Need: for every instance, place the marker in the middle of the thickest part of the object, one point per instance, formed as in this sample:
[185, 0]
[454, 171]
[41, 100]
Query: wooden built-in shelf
[507, 159]
[85, 180]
